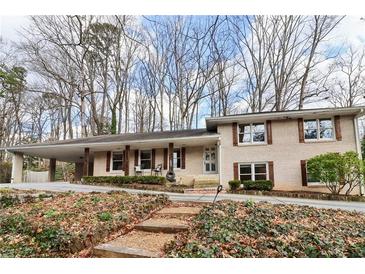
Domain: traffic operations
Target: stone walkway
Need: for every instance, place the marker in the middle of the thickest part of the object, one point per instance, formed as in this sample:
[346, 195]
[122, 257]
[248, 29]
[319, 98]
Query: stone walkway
[148, 238]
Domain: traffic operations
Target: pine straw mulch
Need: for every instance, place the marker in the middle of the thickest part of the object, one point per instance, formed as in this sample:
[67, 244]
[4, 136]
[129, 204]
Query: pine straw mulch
[234, 229]
[71, 223]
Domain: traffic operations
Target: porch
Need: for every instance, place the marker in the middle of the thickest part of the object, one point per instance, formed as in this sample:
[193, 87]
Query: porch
[194, 158]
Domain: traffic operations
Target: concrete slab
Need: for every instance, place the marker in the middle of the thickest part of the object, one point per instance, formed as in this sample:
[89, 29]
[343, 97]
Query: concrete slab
[179, 211]
[113, 251]
[163, 225]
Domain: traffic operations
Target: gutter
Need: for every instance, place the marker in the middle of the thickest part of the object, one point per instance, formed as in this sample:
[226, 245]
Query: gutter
[82, 145]
[358, 143]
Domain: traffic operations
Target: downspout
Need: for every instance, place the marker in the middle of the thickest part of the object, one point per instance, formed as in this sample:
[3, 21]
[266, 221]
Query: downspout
[220, 160]
[358, 144]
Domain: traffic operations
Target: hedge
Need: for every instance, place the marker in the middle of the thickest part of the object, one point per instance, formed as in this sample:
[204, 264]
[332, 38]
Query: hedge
[123, 180]
[234, 184]
[258, 185]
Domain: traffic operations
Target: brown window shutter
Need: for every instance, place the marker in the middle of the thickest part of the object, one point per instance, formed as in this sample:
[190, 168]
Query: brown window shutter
[165, 153]
[136, 155]
[303, 167]
[338, 128]
[271, 171]
[108, 156]
[301, 130]
[153, 158]
[234, 134]
[182, 158]
[235, 171]
[269, 132]
[123, 165]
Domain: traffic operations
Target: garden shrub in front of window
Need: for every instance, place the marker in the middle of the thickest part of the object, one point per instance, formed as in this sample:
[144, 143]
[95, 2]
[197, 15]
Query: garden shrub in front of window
[264, 185]
[122, 180]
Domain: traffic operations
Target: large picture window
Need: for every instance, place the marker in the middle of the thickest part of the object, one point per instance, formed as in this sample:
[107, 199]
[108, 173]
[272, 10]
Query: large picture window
[318, 129]
[176, 158]
[253, 171]
[146, 159]
[117, 160]
[251, 133]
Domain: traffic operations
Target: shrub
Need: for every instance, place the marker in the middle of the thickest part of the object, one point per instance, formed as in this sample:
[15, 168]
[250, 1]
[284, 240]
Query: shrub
[5, 172]
[234, 185]
[337, 171]
[122, 180]
[258, 185]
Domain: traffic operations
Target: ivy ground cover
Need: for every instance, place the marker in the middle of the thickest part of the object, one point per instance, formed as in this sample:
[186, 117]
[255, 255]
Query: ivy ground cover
[233, 229]
[70, 223]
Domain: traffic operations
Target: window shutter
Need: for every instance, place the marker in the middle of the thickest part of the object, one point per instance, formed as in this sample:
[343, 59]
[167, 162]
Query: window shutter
[301, 130]
[123, 165]
[271, 171]
[269, 132]
[108, 156]
[303, 167]
[153, 158]
[234, 134]
[182, 158]
[338, 128]
[235, 171]
[165, 153]
[136, 155]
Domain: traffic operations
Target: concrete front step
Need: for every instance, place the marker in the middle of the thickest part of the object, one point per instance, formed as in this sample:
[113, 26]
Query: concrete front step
[113, 251]
[162, 225]
[179, 211]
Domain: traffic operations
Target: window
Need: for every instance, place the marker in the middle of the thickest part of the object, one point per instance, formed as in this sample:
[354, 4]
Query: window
[176, 158]
[318, 129]
[117, 160]
[310, 178]
[253, 171]
[146, 159]
[251, 133]
[210, 160]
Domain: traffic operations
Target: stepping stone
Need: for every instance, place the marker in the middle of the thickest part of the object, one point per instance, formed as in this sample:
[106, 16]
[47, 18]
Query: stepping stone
[112, 251]
[179, 211]
[136, 244]
[164, 225]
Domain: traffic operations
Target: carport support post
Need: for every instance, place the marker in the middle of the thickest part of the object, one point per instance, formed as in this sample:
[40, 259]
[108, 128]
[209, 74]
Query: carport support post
[86, 162]
[171, 155]
[17, 168]
[52, 170]
[127, 151]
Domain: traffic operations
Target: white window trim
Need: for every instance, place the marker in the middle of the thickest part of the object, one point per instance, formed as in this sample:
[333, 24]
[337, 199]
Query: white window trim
[111, 161]
[253, 169]
[251, 143]
[178, 168]
[139, 159]
[216, 160]
[318, 131]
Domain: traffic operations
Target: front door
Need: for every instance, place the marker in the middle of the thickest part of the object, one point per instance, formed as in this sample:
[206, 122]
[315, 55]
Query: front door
[210, 159]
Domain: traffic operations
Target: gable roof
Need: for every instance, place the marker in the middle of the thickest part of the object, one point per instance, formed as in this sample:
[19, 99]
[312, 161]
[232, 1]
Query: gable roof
[212, 122]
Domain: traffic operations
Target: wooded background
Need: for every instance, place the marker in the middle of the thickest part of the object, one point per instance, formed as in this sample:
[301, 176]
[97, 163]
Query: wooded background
[77, 76]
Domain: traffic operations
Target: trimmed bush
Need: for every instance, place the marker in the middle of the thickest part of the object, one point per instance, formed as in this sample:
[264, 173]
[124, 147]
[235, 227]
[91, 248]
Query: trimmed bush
[234, 184]
[123, 180]
[258, 185]
[5, 172]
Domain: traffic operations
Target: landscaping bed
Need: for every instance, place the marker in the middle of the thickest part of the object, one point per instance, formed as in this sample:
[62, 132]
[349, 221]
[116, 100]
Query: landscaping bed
[300, 194]
[70, 224]
[11, 197]
[234, 229]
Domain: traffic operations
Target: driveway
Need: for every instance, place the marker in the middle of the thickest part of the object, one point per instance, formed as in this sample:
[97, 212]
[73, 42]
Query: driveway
[64, 187]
